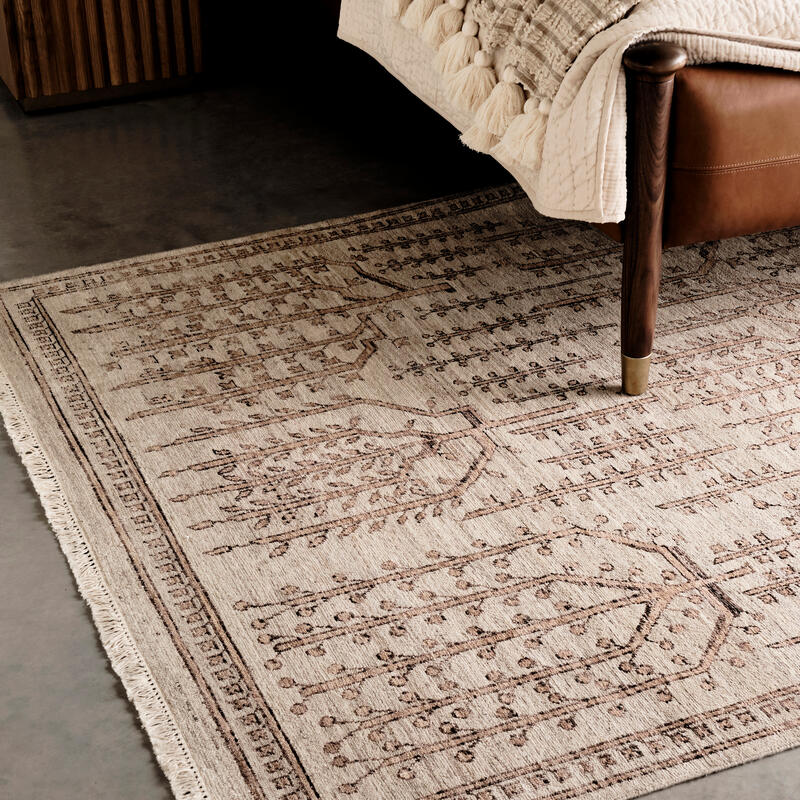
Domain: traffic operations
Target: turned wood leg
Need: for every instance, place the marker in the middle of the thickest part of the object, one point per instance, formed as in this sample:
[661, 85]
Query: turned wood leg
[651, 72]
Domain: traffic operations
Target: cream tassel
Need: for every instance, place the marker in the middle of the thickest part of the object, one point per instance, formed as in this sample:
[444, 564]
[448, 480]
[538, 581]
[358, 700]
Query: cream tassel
[444, 22]
[417, 13]
[502, 105]
[524, 139]
[396, 8]
[478, 138]
[459, 50]
[470, 86]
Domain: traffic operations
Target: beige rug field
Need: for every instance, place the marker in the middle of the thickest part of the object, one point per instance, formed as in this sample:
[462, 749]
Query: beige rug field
[359, 510]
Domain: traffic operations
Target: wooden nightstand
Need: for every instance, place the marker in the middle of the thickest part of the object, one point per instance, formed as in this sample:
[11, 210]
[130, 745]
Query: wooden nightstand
[67, 52]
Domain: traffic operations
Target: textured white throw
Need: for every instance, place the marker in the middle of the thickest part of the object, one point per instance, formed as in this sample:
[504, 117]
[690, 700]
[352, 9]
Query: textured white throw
[581, 174]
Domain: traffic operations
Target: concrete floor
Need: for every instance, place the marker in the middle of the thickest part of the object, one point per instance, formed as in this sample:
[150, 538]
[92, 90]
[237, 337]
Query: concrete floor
[92, 185]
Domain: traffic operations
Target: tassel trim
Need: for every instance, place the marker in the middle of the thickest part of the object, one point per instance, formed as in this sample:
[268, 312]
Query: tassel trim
[444, 23]
[479, 139]
[123, 652]
[523, 141]
[459, 50]
[470, 86]
[503, 104]
[417, 14]
[507, 125]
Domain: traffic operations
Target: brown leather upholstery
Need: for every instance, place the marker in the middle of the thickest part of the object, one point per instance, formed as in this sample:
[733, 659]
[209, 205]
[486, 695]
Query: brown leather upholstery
[611, 229]
[735, 161]
[735, 154]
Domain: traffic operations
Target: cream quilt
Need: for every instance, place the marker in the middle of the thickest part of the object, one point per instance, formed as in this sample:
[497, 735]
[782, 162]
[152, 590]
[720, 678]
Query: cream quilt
[582, 169]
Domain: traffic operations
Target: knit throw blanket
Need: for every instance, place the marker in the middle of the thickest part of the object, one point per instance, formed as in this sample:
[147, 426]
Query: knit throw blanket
[539, 40]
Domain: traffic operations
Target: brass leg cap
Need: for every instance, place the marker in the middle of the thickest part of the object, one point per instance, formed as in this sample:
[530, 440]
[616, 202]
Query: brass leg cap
[635, 374]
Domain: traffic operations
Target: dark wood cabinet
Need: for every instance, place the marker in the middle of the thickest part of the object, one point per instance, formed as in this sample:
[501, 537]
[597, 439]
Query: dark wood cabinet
[66, 52]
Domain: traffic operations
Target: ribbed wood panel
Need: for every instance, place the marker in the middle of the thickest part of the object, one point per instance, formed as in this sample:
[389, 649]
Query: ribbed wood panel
[65, 46]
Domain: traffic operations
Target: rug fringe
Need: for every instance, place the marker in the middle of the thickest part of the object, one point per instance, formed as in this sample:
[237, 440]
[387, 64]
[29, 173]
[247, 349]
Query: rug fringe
[126, 660]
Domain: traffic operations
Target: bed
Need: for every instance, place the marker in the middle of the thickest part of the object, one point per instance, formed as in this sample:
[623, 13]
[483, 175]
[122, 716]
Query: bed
[664, 123]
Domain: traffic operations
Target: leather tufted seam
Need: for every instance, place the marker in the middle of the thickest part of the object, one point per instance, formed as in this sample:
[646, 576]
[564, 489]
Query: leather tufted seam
[743, 166]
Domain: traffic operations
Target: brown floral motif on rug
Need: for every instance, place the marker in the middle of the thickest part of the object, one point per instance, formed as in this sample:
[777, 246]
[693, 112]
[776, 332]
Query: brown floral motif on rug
[360, 511]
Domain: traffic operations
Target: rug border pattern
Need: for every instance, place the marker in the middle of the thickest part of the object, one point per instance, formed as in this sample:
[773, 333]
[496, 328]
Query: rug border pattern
[126, 660]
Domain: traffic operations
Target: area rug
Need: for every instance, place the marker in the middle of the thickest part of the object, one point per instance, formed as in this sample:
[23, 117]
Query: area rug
[359, 510]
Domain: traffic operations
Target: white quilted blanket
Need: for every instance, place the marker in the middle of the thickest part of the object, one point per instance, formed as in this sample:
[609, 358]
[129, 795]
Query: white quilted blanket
[582, 174]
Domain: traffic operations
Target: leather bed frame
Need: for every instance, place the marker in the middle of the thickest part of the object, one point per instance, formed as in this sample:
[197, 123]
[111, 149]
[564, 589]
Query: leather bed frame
[713, 152]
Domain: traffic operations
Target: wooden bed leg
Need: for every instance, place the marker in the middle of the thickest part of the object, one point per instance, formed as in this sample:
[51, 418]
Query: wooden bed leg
[651, 72]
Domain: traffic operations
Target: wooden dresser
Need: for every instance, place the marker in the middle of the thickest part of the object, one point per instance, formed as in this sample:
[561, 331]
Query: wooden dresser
[67, 52]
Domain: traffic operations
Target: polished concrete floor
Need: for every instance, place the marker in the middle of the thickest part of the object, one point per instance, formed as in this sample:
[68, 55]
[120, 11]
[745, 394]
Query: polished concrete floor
[92, 185]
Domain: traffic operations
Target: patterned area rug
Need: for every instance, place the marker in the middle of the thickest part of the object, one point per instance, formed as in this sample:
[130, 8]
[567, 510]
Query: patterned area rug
[360, 512]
